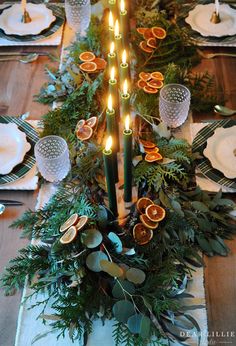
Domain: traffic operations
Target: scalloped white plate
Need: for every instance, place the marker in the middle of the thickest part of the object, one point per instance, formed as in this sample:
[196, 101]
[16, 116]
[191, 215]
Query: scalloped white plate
[10, 19]
[221, 151]
[199, 20]
[13, 147]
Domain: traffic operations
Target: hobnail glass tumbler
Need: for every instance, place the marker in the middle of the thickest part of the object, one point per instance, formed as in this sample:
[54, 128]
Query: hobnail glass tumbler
[52, 158]
[174, 102]
[78, 13]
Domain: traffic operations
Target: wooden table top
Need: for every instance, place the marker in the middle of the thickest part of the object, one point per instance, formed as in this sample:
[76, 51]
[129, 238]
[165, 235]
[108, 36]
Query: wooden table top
[18, 84]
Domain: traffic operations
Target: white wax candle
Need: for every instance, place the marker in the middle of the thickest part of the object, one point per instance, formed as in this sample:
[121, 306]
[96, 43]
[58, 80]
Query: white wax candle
[23, 6]
[217, 5]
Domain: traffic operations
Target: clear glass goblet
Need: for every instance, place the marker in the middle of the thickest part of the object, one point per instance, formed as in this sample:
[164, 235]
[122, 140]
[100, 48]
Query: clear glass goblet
[52, 158]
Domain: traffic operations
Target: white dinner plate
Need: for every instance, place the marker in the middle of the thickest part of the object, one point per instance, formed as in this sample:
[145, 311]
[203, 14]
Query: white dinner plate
[199, 20]
[13, 147]
[41, 19]
[221, 151]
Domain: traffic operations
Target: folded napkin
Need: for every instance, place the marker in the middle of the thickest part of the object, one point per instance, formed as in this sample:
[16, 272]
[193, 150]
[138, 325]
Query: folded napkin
[30, 180]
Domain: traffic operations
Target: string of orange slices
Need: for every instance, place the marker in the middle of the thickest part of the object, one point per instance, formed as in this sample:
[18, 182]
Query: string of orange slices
[150, 216]
[91, 63]
[85, 128]
[150, 82]
[151, 37]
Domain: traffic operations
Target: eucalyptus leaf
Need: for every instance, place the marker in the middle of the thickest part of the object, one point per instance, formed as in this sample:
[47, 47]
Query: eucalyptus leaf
[164, 199]
[177, 207]
[121, 288]
[199, 206]
[122, 310]
[217, 247]
[139, 324]
[111, 268]
[91, 238]
[102, 216]
[137, 276]
[226, 202]
[204, 245]
[174, 330]
[93, 260]
[128, 252]
[115, 241]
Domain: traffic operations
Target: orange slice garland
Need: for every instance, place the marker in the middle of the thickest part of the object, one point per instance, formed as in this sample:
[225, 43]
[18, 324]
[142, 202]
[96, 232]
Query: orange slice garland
[142, 235]
[84, 132]
[92, 122]
[150, 90]
[155, 213]
[141, 30]
[159, 32]
[101, 63]
[142, 203]
[87, 56]
[69, 235]
[147, 144]
[153, 157]
[145, 76]
[147, 222]
[151, 150]
[152, 42]
[148, 34]
[89, 66]
[141, 84]
[73, 219]
[143, 45]
[157, 84]
[157, 75]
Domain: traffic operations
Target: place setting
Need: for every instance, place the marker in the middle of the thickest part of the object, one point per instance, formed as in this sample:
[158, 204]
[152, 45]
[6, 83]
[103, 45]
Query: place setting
[210, 23]
[29, 23]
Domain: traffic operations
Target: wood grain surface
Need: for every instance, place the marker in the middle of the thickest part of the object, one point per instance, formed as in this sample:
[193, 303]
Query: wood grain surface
[18, 84]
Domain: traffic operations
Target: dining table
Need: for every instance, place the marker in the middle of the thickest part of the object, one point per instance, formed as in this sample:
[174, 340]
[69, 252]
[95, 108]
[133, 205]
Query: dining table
[19, 83]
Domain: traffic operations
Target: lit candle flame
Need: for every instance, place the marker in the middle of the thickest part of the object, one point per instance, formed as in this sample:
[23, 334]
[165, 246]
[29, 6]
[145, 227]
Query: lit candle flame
[125, 87]
[112, 76]
[127, 121]
[111, 21]
[108, 143]
[109, 104]
[122, 6]
[217, 5]
[117, 30]
[124, 57]
[112, 48]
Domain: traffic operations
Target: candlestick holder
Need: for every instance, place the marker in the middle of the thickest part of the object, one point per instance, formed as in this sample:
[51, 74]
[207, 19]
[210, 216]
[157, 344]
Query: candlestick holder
[26, 17]
[215, 18]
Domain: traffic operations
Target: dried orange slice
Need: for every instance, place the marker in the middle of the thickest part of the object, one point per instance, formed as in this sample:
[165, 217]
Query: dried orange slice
[145, 76]
[84, 132]
[147, 144]
[147, 222]
[153, 157]
[143, 45]
[101, 63]
[81, 222]
[157, 75]
[73, 219]
[155, 213]
[148, 34]
[80, 123]
[92, 122]
[152, 42]
[69, 236]
[151, 150]
[141, 84]
[159, 32]
[89, 66]
[143, 203]
[157, 84]
[87, 56]
[150, 90]
[142, 235]
[141, 30]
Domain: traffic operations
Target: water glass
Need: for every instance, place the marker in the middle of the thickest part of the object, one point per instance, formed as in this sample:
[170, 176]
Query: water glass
[174, 103]
[78, 13]
[52, 158]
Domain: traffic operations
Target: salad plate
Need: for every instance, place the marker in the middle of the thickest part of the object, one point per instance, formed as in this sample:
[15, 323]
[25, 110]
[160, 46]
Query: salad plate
[204, 164]
[21, 169]
[13, 147]
[221, 151]
[41, 18]
[199, 20]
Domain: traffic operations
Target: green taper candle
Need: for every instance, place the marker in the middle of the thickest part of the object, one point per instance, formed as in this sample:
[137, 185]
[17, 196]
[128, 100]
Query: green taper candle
[124, 68]
[113, 130]
[113, 7]
[111, 26]
[125, 100]
[110, 181]
[118, 42]
[111, 57]
[127, 138]
[124, 24]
